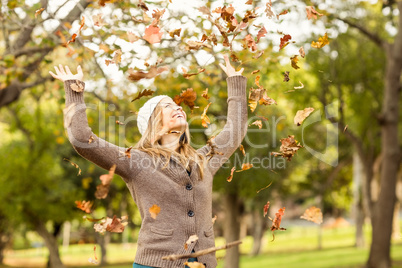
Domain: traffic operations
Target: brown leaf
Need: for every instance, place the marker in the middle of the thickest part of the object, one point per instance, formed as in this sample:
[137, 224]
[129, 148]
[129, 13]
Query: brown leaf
[204, 117]
[117, 225]
[301, 115]
[77, 87]
[276, 223]
[257, 123]
[241, 147]
[142, 5]
[255, 71]
[286, 76]
[73, 164]
[285, 41]
[262, 117]
[153, 71]
[175, 32]
[250, 43]
[261, 33]
[205, 10]
[294, 61]
[302, 53]
[313, 214]
[300, 87]
[154, 210]
[132, 37]
[190, 240]
[288, 148]
[229, 179]
[188, 75]
[245, 166]
[144, 93]
[152, 34]
[128, 151]
[270, 13]
[249, 2]
[103, 2]
[157, 14]
[84, 205]
[91, 139]
[266, 208]
[119, 123]
[187, 96]
[312, 13]
[102, 189]
[38, 12]
[205, 94]
[264, 189]
[196, 45]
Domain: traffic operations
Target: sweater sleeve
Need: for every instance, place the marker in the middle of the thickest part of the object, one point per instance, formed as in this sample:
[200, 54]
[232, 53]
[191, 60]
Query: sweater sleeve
[235, 129]
[85, 142]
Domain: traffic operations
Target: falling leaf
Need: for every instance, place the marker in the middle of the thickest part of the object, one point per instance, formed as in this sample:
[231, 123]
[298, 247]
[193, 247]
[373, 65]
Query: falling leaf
[249, 2]
[257, 123]
[255, 71]
[213, 147]
[84, 205]
[288, 148]
[98, 21]
[153, 71]
[261, 33]
[144, 93]
[302, 53]
[346, 127]
[282, 13]
[92, 220]
[175, 32]
[266, 208]
[82, 23]
[245, 166]
[284, 41]
[190, 240]
[276, 223]
[205, 10]
[103, 2]
[128, 152]
[204, 117]
[74, 164]
[196, 45]
[299, 87]
[187, 96]
[259, 54]
[205, 94]
[104, 47]
[214, 219]
[102, 189]
[152, 34]
[322, 41]
[113, 225]
[313, 214]
[250, 43]
[119, 123]
[241, 147]
[286, 76]
[312, 13]
[142, 5]
[132, 37]
[301, 115]
[294, 61]
[91, 139]
[262, 117]
[157, 15]
[188, 75]
[154, 210]
[264, 187]
[265, 100]
[77, 87]
[229, 179]
[270, 13]
[38, 12]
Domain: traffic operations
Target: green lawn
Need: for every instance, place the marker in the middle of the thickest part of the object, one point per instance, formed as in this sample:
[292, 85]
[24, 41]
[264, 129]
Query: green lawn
[295, 247]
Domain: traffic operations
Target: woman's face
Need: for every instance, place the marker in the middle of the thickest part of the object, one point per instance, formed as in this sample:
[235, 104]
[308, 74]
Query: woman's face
[174, 118]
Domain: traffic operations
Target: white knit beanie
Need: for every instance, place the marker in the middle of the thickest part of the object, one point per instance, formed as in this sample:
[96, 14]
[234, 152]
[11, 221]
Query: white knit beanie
[145, 112]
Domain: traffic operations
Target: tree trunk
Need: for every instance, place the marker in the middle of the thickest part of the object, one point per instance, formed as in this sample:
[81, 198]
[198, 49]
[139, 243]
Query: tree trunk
[232, 229]
[396, 229]
[103, 241]
[51, 244]
[384, 208]
[259, 227]
[357, 211]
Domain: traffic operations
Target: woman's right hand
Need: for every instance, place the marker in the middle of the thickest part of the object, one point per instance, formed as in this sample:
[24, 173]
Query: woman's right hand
[65, 74]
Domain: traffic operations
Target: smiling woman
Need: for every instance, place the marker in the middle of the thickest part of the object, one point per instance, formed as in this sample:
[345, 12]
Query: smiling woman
[163, 170]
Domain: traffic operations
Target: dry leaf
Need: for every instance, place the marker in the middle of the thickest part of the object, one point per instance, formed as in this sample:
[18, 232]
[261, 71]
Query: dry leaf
[188, 75]
[152, 34]
[301, 115]
[175, 32]
[229, 179]
[286, 76]
[77, 87]
[288, 148]
[302, 53]
[312, 13]
[154, 210]
[91, 139]
[74, 164]
[205, 94]
[190, 240]
[145, 92]
[284, 41]
[294, 61]
[204, 117]
[245, 166]
[84, 205]
[299, 87]
[132, 37]
[38, 12]
[322, 41]
[187, 96]
[153, 71]
[313, 214]
[257, 123]
[102, 189]
[241, 147]
[266, 208]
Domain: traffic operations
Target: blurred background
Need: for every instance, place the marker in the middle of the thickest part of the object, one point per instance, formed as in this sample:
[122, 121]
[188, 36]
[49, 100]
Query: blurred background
[349, 166]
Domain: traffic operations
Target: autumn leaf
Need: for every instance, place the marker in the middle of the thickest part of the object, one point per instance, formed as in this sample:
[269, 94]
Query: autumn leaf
[205, 10]
[153, 71]
[188, 75]
[187, 96]
[144, 93]
[142, 5]
[288, 148]
[104, 47]
[276, 223]
[266, 208]
[97, 19]
[241, 148]
[154, 210]
[128, 152]
[205, 94]
[204, 117]
[265, 100]
[114, 225]
[77, 87]
[245, 166]
[92, 220]
[82, 23]
[322, 41]
[302, 53]
[91, 139]
[196, 45]
[261, 33]
[214, 219]
[286, 76]
[270, 13]
[255, 71]
[229, 179]
[262, 117]
[103, 2]
[132, 37]
[84, 205]
[313, 214]
[175, 32]
[194, 264]
[73, 164]
[301, 115]
[299, 87]
[152, 34]
[312, 13]
[102, 189]
[157, 14]
[294, 61]
[213, 147]
[284, 41]
[264, 189]
[119, 123]
[250, 43]
[38, 12]
[282, 13]
[257, 123]
[249, 2]
[190, 240]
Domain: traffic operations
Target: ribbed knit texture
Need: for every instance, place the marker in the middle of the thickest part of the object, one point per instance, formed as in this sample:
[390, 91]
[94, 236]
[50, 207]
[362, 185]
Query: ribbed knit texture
[168, 188]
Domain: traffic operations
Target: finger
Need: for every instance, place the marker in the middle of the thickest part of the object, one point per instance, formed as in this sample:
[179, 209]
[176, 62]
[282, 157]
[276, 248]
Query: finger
[54, 76]
[241, 70]
[68, 70]
[226, 59]
[222, 66]
[79, 69]
[57, 70]
[62, 70]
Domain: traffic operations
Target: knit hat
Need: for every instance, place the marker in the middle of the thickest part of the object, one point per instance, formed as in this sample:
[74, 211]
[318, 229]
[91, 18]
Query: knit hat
[145, 112]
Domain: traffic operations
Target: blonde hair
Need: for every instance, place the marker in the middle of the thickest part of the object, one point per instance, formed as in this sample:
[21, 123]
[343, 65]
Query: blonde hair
[185, 153]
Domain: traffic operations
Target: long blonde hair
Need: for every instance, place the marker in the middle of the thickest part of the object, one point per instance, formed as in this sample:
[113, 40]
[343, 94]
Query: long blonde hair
[185, 153]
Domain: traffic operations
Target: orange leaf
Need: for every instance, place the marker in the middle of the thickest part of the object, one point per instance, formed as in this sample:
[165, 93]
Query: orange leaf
[84, 205]
[152, 34]
[204, 117]
[145, 92]
[38, 12]
[266, 208]
[313, 214]
[245, 166]
[294, 61]
[154, 210]
[301, 115]
[229, 179]
[188, 96]
[312, 13]
[285, 41]
[153, 71]
[322, 41]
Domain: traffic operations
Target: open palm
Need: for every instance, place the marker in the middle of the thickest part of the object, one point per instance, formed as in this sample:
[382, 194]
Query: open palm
[64, 74]
[229, 70]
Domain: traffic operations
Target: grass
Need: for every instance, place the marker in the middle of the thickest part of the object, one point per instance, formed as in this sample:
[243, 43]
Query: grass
[295, 247]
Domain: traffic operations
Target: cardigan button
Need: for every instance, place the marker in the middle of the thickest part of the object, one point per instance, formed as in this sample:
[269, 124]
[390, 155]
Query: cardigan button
[190, 213]
[189, 186]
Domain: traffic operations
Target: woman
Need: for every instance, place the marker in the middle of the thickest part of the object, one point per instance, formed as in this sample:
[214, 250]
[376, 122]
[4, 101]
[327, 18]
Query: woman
[163, 169]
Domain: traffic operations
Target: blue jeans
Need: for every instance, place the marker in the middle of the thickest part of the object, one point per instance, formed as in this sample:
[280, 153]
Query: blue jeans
[136, 265]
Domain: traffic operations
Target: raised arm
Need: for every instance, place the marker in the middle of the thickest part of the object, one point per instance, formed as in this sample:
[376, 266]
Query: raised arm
[235, 129]
[84, 141]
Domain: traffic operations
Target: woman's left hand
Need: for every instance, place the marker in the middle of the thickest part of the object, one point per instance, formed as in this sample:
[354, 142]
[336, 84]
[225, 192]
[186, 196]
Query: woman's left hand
[229, 70]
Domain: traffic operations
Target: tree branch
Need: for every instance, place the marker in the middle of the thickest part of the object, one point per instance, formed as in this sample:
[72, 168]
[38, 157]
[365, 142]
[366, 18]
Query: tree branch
[30, 50]
[372, 36]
